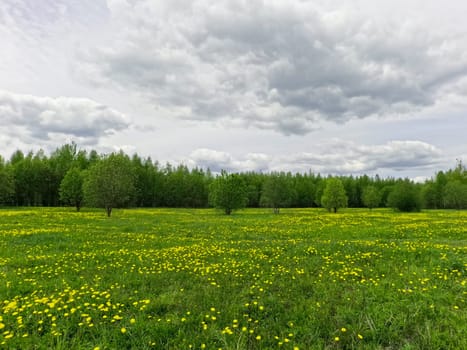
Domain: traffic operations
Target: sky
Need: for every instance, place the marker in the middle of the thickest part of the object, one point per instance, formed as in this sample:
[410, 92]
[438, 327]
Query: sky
[335, 87]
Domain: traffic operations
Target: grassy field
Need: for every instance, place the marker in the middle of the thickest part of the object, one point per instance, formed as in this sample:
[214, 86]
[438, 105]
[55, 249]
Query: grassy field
[196, 279]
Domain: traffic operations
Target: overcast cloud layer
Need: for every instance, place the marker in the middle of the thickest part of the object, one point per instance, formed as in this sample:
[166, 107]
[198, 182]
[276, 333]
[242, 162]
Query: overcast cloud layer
[328, 86]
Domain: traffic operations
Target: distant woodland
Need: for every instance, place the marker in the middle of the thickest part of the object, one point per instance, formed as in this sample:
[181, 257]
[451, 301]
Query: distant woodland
[69, 176]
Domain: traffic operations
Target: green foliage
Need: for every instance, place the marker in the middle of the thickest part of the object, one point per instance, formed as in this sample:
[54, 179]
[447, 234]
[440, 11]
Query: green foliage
[34, 179]
[181, 278]
[303, 190]
[228, 192]
[456, 195]
[185, 188]
[277, 192]
[334, 196]
[405, 196]
[71, 188]
[109, 182]
[371, 197]
[7, 184]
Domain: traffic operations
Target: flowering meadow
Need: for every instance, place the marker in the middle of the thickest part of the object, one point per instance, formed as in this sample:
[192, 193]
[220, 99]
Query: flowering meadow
[196, 279]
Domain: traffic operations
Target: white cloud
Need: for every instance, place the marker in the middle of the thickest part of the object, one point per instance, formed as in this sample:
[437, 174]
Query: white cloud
[217, 161]
[268, 83]
[46, 119]
[335, 157]
[276, 65]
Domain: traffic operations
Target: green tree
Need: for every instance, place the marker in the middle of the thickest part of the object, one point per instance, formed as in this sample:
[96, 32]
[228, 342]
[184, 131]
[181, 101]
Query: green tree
[371, 197]
[7, 184]
[455, 195]
[405, 196]
[109, 182]
[277, 192]
[303, 190]
[228, 192]
[71, 188]
[60, 161]
[429, 195]
[334, 196]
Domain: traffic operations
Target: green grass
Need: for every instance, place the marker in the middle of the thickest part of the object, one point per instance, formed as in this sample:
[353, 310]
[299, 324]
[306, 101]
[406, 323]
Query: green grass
[194, 279]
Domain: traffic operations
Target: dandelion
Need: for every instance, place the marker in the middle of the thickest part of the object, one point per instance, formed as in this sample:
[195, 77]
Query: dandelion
[343, 329]
[123, 330]
[359, 336]
[133, 321]
[337, 339]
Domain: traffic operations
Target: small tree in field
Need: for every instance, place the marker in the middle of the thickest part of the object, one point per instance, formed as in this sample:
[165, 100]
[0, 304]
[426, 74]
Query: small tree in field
[334, 196]
[109, 183]
[405, 197]
[371, 197]
[228, 192]
[276, 192]
[71, 188]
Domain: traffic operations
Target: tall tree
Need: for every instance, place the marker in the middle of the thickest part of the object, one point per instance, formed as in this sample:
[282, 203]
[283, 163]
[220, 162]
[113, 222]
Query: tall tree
[405, 196]
[7, 185]
[371, 197]
[71, 188]
[109, 183]
[277, 192]
[456, 195]
[303, 190]
[334, 196]
[228, 192]
[60, 161]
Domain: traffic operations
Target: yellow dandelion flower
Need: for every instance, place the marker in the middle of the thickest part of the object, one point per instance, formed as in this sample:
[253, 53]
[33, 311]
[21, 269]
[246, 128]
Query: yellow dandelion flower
[123, 330]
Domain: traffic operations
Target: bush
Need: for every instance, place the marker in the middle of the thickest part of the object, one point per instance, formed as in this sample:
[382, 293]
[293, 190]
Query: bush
[405, 196]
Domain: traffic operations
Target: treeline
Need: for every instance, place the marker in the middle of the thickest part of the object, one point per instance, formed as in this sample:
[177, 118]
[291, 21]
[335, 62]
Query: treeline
[69, 176]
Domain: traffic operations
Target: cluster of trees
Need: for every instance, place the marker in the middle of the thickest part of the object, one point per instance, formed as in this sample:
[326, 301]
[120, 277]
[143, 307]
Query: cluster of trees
[70, 176]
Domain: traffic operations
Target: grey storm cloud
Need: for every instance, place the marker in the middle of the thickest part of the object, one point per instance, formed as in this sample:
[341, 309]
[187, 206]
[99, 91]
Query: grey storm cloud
[336, 157]
[42, 118]
[277, 65]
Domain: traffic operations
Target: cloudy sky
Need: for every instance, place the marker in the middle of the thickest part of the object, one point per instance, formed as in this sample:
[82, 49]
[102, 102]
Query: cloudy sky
[331, 86]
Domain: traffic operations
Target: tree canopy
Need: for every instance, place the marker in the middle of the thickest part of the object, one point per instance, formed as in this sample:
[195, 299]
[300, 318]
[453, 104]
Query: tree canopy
[109, 183]
[71, 188]
[334, 196]
[405, 197]
[228, 192]
[371, 197]
[277, 192]
[38, 179]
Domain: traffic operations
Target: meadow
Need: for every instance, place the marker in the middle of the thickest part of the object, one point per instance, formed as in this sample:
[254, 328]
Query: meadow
[197, 279]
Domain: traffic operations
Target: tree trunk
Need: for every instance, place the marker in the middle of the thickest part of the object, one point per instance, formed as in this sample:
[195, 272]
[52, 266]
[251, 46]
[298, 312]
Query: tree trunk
[228, 211]
[109, 211]
[335, 210]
